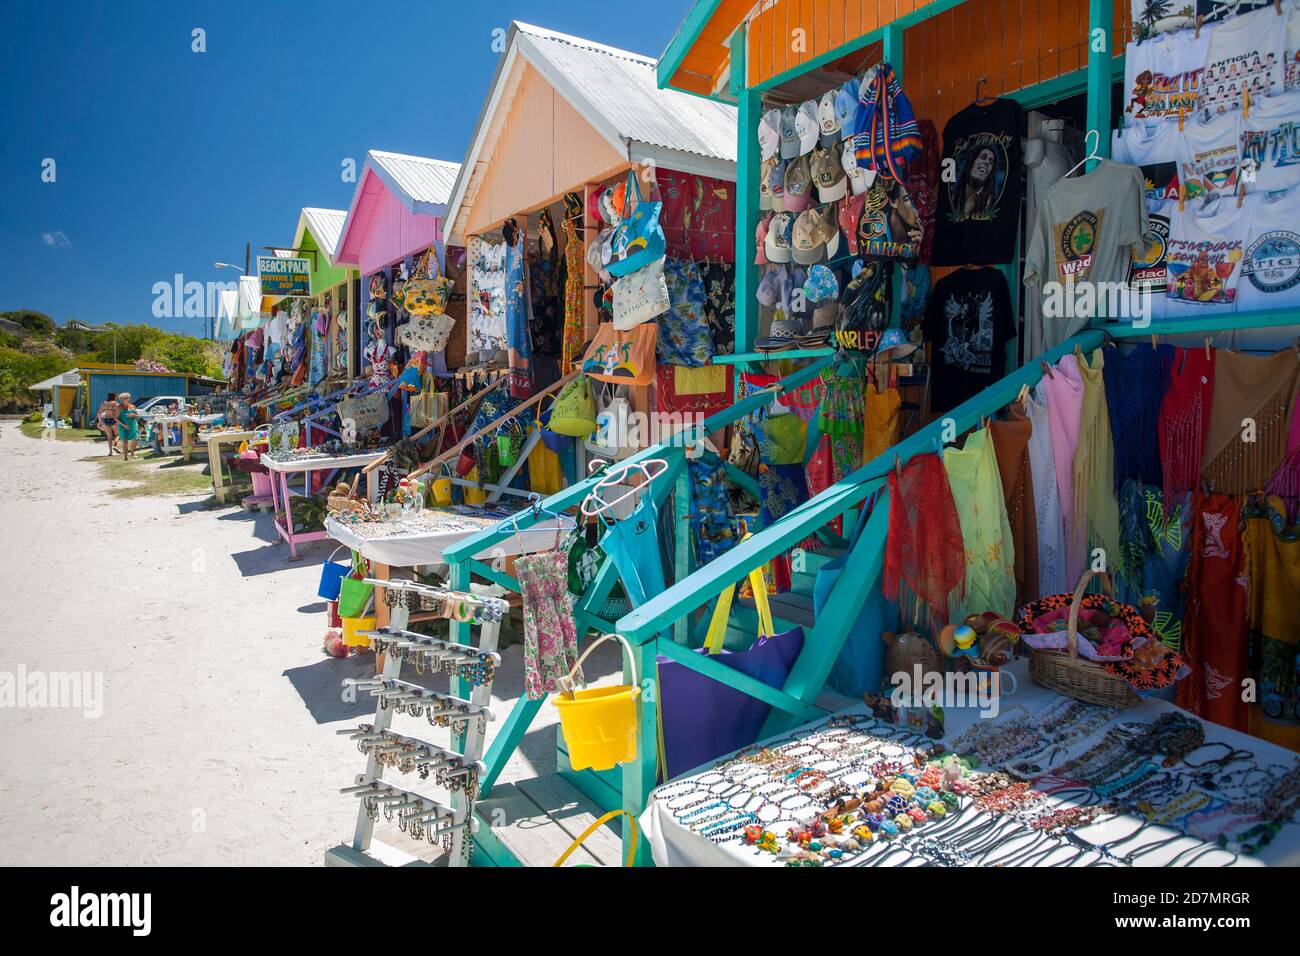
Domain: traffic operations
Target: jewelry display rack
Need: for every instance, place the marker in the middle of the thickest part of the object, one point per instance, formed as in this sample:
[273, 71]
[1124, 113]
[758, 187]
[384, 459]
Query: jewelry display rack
[456, 770]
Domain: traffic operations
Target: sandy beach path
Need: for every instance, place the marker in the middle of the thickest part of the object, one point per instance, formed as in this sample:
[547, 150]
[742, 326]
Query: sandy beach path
[216, 743]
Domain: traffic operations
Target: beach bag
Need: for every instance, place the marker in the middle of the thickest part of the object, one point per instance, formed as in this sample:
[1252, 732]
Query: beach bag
[425, 294]
[332, 574]
[282, 436]
[354, 595]
[574, 410]
[617, 435]
[640, 296]
[365, 413]
[427, 407]
[427, 333]
[638, 239]
[622, 357]
[701, 719]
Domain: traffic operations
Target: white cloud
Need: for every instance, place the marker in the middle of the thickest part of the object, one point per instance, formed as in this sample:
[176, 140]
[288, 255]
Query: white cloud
[56, 239]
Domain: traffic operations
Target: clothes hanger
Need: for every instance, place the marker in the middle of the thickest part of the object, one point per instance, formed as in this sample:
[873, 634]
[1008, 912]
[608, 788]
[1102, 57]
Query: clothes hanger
[1092, 153]
[594, 506]
[978, 99]
[564, 522]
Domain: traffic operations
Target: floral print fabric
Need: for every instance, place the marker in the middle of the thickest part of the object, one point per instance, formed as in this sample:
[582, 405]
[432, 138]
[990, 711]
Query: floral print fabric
[550, 633]
[684, 337]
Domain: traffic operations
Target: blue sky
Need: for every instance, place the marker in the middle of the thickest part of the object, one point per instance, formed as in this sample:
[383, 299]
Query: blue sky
[168, 160]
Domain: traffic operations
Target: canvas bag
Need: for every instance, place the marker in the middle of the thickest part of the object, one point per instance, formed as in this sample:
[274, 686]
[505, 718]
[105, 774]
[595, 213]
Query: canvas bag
[365, 413]
[638, 240]
[617, 434]
[622, 357]
[640, 296]
[282, 436]
[423, 293]
[574, 410]
[427, 333]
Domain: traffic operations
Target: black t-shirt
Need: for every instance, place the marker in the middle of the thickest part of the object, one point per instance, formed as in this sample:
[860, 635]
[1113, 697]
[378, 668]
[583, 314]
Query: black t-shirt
[979, 190]
[967, 323]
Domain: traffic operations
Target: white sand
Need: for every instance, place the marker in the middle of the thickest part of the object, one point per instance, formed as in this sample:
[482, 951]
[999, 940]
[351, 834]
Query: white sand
[217, 741]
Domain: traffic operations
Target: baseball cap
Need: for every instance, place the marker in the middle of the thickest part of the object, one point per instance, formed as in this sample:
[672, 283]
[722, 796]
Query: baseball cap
[789, 138]
[860, 179]
[806, 126]
[809, 240]
[769, 134]
[846, 108]
[831, 233]
[769, 287]
[776, 185]
[765, 170]
[828, 175]
[821, 284]
[826, 118]
[776, 244]
[760, 238]
[798, 186]
[850, 211]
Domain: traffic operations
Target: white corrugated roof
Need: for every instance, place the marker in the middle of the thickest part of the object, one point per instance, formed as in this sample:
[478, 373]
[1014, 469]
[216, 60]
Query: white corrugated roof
[423, 183]
[617, 93]
[227, 312]
[326, 226]
[620, 87]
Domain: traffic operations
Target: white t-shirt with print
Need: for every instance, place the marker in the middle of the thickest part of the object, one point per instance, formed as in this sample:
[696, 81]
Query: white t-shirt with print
[1146, 25]
[1161, 76]
[1245, 52]
[1154, 148]
[1292, 48]
[1270, 143]
[1206, 246]
[1270, 268]
[1209, 157]
[1148, 266]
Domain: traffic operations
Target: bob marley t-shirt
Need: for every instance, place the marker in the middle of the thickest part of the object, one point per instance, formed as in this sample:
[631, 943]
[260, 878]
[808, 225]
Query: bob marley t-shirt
[979, 186]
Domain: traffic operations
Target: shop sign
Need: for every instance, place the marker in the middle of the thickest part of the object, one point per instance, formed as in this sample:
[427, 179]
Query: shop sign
[284, 277]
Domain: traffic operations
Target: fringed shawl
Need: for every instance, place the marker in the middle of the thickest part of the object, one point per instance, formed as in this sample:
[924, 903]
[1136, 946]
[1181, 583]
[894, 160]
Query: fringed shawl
[1184, 416]
[1011, 446]
[1047, 501]
[1095, 515]
[1135, 387]
[924, 550]
[1064, 390]
[1258, 389]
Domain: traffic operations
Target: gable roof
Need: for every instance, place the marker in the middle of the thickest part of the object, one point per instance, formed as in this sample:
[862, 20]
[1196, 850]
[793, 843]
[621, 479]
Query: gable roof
[617, 93]
[422, 185]
[326, 227]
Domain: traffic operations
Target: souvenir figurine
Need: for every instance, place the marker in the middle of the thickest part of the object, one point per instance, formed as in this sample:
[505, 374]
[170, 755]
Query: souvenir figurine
[934, 723]
[908, 649]
[997, 642]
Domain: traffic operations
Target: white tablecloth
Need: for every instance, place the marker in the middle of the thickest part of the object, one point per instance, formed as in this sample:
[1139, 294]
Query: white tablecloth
[410, 550]
[674, 844]
[321, 464]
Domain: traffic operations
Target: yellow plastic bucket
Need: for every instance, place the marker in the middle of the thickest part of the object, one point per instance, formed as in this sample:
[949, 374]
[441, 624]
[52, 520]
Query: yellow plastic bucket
[599, 724]
[351, 625]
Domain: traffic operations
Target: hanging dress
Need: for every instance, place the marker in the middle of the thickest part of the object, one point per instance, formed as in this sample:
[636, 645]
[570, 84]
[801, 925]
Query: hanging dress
[880, 421]
[1095, 511]
[986, 536]
[518, 331]
[632, 543]
[575, 333]
[550, 632]
[1064, 391]
[1048, 522]
[1259, 389]
[1215, 642]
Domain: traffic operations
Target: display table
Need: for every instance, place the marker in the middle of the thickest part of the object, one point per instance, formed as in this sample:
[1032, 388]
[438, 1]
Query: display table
[677, 843]
[189, 425]
[281, 496]
[214, 441]
[439, 529]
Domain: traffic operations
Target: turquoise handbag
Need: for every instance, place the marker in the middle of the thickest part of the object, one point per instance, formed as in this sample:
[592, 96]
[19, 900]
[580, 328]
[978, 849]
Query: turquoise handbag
[639, 239]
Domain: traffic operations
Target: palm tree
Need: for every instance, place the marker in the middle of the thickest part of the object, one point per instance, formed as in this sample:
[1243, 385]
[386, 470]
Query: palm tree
[1153, 10]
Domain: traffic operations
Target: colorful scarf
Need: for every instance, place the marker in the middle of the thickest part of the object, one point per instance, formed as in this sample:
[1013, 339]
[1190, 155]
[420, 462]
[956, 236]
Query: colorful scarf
[1184, 416]
[986, 535]
[1285, 483]
[880, 422]
[1011, 446]
[1095, 512]
[1214, 627]
[1154, 551]
[1273, 604]
[1251, 387]
[1048, 523]
[887, 136]
[924, 549]
[1064, 391]
[1135, 388]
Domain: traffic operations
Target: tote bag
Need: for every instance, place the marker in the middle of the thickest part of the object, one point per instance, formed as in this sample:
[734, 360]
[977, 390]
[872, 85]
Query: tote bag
[702, 719]
[638, 240]
[426, 292]
[640, 296]
[365, 413]
[622, 357]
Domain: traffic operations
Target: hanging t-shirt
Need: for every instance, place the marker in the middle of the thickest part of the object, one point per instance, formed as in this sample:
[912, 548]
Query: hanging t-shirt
[1087, 227]
[1151, 19]
[1154, 149]
[1270, 268]
[1270, 143]
[1205, 252]
[1161, 76]
[1291, 47]
[1216, 11]
[1148, 266]
[968, 323]
[1209, 159]
[1245, 53]
[979, 185]
[888, 226]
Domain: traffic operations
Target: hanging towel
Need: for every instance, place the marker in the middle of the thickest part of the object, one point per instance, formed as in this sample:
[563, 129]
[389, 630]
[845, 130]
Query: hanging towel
[1262, 390]
[986, 536]
[1095, 513]
[924, 549]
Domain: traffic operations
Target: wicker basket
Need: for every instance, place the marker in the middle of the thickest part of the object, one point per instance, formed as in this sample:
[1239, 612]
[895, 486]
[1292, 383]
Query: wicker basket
[1067, 673]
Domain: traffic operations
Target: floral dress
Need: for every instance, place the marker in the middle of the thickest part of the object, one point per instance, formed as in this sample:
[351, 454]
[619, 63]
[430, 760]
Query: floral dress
[550, 633]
